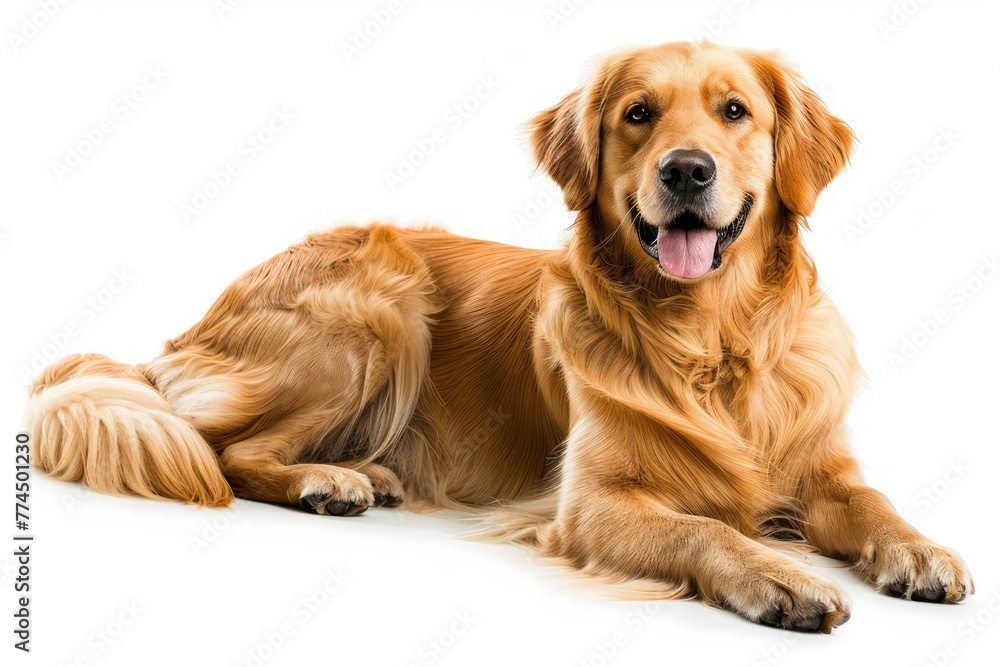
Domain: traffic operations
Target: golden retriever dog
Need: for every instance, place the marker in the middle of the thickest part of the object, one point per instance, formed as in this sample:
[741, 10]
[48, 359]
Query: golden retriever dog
[641, 403]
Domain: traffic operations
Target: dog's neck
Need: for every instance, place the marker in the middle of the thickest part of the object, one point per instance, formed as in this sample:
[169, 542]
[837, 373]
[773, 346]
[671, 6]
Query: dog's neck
[747, 309]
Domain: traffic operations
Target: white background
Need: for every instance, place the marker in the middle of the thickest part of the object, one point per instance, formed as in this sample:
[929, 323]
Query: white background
[407, 576]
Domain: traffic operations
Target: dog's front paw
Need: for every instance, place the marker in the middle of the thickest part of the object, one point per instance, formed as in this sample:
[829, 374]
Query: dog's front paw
[916, 569]
[776, 591]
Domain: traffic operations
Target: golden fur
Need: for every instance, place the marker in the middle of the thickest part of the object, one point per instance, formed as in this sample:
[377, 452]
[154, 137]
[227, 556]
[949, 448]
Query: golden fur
[635, 426]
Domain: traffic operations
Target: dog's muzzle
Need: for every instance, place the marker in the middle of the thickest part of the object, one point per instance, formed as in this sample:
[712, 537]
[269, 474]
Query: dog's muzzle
[687, 246]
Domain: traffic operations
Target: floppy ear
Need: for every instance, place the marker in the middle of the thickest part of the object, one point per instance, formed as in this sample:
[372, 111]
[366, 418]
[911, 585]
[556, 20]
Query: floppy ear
[566, 138]
[811, 145]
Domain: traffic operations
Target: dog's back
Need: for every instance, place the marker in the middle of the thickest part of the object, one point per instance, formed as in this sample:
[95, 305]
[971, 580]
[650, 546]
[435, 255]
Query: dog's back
[412, 348]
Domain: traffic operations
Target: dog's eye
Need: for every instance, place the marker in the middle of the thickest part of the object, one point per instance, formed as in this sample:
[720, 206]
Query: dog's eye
[637, 113]
[735, 111]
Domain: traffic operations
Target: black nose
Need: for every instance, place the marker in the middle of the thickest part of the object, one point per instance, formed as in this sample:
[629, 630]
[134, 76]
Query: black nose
[687, 171]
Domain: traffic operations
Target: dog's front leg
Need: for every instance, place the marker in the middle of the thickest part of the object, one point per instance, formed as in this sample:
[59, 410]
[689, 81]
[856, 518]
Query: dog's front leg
[847, 519]
[614, 525]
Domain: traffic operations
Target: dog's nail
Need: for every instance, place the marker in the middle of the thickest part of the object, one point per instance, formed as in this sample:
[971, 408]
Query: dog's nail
[311, 502]
[337, 507]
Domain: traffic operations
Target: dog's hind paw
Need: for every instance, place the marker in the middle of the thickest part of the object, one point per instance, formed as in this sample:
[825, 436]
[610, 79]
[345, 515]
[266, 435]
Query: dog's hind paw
[344, 493]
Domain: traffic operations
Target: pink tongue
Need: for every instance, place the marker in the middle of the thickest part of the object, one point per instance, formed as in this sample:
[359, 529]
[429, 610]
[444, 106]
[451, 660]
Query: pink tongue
[686, 253]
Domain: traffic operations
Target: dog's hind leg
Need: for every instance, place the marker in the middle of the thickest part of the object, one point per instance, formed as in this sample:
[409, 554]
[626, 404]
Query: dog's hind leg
[263, 467]
[385, 483]
[321, 373]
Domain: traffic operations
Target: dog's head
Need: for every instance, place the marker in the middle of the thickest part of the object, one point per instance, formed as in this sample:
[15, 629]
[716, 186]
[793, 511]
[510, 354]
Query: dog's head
[683, 149]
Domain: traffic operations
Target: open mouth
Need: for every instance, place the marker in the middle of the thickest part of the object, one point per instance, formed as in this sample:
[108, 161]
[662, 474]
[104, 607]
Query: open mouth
[687, 247]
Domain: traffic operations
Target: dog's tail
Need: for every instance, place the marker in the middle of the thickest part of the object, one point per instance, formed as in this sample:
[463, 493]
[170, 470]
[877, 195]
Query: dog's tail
[101, 422]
